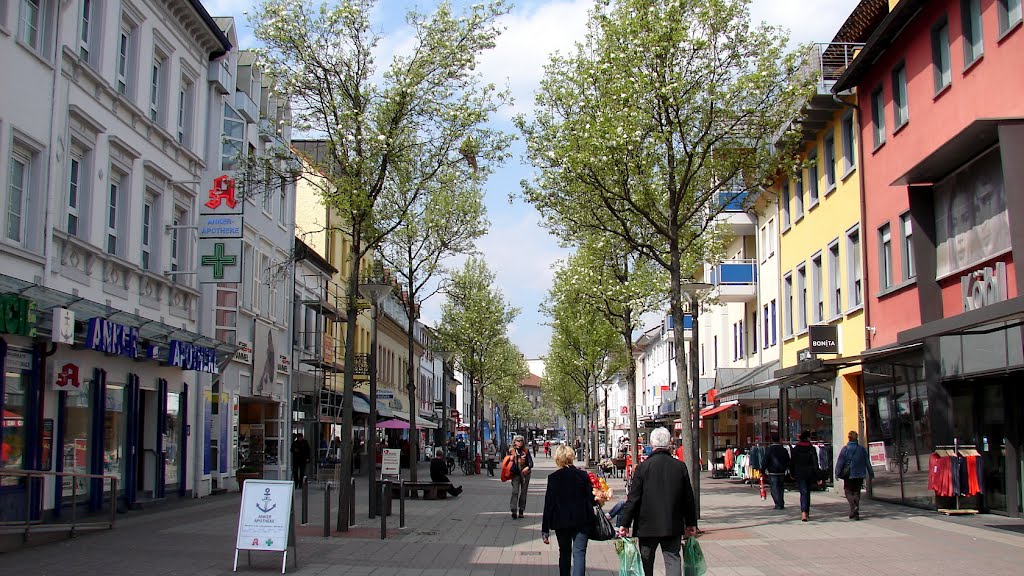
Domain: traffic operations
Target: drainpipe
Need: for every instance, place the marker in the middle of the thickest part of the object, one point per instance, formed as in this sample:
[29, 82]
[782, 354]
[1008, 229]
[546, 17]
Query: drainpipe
[51, 164]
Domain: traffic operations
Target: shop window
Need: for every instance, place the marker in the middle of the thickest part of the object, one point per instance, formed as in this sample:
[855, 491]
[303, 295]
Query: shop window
[77, 418]
[13, 432]
[114, 435]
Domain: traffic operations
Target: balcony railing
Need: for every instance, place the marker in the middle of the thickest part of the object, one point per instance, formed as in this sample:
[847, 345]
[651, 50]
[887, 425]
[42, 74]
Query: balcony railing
[732, 201]
[734, 272]
[827, 62]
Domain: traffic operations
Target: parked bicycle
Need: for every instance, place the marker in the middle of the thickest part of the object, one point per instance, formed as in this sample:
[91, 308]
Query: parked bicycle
[899, 461]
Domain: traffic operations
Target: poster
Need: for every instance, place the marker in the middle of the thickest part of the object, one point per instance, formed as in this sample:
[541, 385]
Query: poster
[876, 453]
[264, 360]
[264, 520]
[390, 461]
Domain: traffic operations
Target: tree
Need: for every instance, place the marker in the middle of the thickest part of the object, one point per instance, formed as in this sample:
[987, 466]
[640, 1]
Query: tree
[503, 370]
[669, 108]
[443, 223]
[385, 135]
[474, 324]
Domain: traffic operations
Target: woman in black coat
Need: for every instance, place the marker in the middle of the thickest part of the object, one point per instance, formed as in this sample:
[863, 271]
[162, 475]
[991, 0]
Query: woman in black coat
[568, 502]
[804, 465]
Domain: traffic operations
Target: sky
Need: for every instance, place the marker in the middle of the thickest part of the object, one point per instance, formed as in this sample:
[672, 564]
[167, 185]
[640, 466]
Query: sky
[517, 249]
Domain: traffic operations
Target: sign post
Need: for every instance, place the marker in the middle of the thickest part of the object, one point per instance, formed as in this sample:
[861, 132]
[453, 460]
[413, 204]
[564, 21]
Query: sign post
[266, 521]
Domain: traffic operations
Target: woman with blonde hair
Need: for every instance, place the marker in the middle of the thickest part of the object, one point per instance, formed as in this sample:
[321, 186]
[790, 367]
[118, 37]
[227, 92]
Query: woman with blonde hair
[568, 501]
[522, 465]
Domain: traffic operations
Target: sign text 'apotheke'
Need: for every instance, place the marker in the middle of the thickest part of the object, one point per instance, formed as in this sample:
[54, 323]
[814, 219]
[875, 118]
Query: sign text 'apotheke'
[112, 338]
[983, 287]
[191, 357]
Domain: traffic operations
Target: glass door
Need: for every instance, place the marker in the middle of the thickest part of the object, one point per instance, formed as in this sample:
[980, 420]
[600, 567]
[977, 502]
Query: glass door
[993, 433]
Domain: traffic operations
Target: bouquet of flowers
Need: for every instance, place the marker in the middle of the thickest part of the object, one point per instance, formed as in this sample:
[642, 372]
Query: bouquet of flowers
[602, 492]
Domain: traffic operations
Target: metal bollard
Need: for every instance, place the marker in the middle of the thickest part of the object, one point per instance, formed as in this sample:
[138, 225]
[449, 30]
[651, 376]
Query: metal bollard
[385, 492]
[305, 501]
[401, 506]
[352, 504]
[327, 510]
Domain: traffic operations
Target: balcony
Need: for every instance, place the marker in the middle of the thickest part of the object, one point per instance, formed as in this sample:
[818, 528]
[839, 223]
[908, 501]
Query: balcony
[734, 213]
[267, 131]
[246, 107]
[825, 62]
[361, 368]
[687, 327]
[735, 280]
[220, 77]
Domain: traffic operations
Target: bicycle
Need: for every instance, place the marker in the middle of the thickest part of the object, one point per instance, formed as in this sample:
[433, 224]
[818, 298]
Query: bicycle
[899, 461]
[468, 467]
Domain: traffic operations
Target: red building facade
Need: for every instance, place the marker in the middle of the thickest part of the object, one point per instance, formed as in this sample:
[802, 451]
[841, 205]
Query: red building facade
[941, 135]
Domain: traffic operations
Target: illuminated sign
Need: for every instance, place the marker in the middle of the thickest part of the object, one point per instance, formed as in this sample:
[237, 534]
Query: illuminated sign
[191, 357]
[112, 338]
[17, 315]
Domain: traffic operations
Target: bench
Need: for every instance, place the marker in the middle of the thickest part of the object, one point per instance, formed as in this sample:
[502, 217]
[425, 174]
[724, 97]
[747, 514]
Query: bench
[431, 490]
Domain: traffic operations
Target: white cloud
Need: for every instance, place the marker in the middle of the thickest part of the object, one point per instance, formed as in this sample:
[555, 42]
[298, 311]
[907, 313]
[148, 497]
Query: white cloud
[816, 21]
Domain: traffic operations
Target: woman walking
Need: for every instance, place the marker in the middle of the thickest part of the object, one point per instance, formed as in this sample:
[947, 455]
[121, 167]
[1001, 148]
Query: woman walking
[854, 458]
[567, 503]
[804, 464]
[522, 465]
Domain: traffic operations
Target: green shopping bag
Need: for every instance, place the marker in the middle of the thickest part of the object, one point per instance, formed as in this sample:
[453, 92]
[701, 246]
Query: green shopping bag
[693, 559]
[629, 557]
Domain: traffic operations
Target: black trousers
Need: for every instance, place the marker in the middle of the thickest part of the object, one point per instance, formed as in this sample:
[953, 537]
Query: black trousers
[299, 472]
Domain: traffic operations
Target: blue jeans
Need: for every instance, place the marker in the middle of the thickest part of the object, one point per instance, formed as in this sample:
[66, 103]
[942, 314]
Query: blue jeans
[776, 483]
[572, 552]
[805, 493]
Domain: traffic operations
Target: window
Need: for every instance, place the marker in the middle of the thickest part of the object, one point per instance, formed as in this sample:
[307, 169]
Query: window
[774, 330]
[1009, 15]
[19, 187]
[878, 116]
[30, 25]
[787, 294]
[177, 249]
[742, 336]
[801, 295]
[884, 256]
[849, 144]
[940, 55]
[970, 19]
[784, 206]
[854, 273]
[817, 299]
[148, 210]
[764, 243]
[234, 135]
[86, 33]
[835, 291]
[156, 87]
[124, 57]
[78, 190]
[184, 123]
[830, 162]
[735, 341]
[798, 196]
[766, 327]
[753, 332]
[772, 237]
[900, 107]
[714, 351]
[248, 263]
[226, 312]
[907, 247]
[115, 193]
[282, 213]
[812, 178]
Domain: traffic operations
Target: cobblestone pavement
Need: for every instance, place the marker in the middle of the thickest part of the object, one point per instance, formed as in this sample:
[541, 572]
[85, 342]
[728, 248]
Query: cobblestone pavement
[475, 535]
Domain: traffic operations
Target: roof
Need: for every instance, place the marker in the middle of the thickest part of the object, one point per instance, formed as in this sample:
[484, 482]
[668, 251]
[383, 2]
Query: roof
[304, 252]
[862, 21]
[531, 381]
[246, 57]
[213, 26]
[881, 38]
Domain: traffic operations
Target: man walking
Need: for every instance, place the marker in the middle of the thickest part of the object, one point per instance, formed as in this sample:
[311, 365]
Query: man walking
[660, 507]
[300, 459]
[776, 464]
[852, 467]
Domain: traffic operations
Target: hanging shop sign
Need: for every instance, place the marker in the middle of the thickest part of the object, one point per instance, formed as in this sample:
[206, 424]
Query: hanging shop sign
[220, 260]
[191, 357]
[983, 287]
[624, 410]
[284, 364]
[18, 359]
[222, 199]
[67, 378]
[244, 353]
[112, 338]
[824, 339]
[62, 327]
[220, 226]
[17, 315]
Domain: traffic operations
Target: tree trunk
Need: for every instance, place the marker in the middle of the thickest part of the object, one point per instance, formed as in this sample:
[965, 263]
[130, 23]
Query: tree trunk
[414, 408]
[349, 386]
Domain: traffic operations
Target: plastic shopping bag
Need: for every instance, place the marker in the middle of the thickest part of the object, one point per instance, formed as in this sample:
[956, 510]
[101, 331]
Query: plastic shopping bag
[764, 492]
[693, 559]
[629, 557]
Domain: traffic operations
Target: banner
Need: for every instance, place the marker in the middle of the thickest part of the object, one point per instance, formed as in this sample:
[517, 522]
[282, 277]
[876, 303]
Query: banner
[264, 358]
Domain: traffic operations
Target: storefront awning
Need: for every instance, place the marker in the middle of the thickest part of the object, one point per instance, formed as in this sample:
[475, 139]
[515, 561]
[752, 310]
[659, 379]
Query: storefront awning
[715, 410]
[425, 423]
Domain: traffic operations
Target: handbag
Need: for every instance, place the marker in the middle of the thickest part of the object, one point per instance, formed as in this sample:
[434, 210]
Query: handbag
[693, 559]
[600, 528]
[506, 468]
[844, 472]
[630, 563]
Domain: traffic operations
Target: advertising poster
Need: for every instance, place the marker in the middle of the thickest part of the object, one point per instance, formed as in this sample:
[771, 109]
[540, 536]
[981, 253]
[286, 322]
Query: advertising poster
[876, 453]
[207, 429]
[264, 360]
[225, 409]
[264, 520]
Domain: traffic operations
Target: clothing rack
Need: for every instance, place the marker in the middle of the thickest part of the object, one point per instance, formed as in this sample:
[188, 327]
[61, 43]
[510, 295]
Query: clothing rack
[943, 450]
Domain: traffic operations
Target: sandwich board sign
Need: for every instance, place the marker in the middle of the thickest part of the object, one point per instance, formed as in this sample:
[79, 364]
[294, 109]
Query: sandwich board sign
[266, 521]
[389, 463]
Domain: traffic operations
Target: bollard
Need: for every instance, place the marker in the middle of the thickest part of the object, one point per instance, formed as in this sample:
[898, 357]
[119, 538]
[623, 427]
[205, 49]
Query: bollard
[385, 491]
[305, 501]
[327, 510]
[401, 506]
[373, 496]
[352, 504]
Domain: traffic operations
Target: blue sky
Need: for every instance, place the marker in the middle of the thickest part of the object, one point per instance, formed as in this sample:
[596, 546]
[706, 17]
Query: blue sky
[517, 249]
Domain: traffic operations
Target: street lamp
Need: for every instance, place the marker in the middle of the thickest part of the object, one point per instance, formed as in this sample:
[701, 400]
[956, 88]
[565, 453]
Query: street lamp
[691, 288]
[374, 290]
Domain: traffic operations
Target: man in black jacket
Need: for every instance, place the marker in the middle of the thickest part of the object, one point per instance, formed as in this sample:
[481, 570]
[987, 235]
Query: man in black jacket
[660, 507]
[776, 464]
[439, 471]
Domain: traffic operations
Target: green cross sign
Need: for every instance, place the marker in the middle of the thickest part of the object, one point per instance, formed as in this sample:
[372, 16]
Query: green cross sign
[218, 260]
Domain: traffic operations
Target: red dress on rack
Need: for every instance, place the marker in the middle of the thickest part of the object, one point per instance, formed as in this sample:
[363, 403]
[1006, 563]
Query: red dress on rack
[940, 475]
[973, 487]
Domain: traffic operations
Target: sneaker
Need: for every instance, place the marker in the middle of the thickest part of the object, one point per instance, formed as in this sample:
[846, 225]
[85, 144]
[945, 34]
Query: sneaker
[520, 513]
[514, 515]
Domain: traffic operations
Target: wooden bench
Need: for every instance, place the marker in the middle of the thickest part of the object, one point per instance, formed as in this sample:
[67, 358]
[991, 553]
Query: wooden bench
[431, 490]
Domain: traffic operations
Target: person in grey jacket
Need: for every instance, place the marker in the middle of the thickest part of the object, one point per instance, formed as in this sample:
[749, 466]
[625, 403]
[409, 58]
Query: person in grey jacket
[860, 468]
[660, 507]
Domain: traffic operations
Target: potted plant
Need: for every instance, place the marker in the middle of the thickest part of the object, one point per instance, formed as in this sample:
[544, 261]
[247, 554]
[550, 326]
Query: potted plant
[247, 472]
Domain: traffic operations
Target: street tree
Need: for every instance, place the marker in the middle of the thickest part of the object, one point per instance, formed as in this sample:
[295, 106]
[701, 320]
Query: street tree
[667, 112]
[415, 119]
[502, 372]
[474, 326]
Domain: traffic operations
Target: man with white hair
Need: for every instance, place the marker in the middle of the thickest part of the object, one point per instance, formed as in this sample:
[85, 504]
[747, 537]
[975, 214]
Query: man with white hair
[660, 507]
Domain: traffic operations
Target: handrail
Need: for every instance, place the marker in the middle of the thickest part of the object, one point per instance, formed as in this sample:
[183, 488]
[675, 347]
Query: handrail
[28, 524]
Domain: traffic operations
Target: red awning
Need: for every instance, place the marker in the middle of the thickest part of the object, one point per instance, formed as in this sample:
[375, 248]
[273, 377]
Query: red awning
[713, 410]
